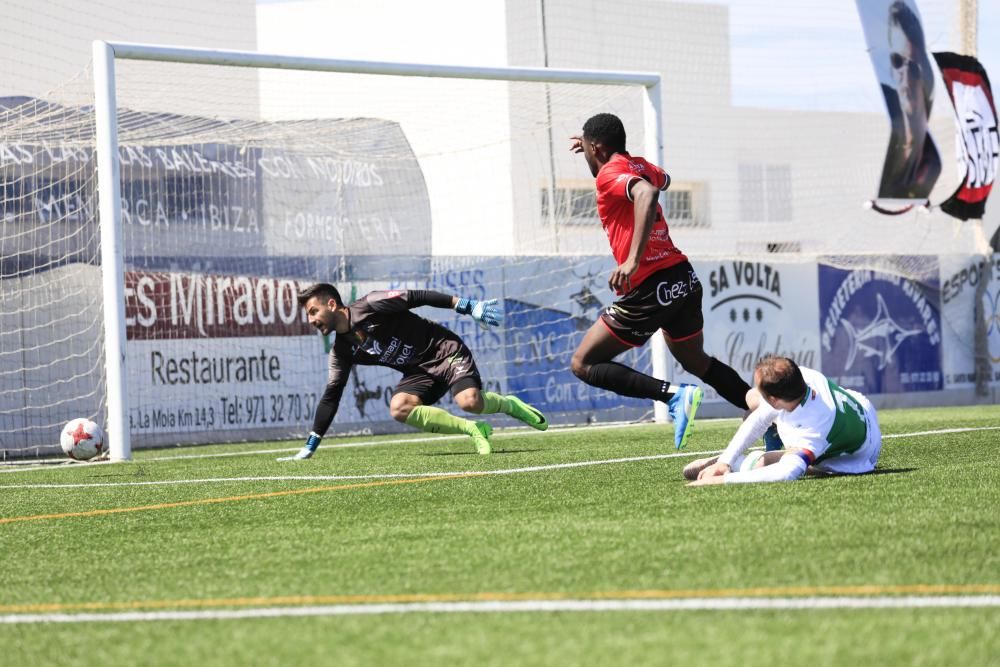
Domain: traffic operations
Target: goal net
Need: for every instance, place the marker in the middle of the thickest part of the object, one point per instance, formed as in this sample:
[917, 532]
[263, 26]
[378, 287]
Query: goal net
[51, 327]
[240, 186]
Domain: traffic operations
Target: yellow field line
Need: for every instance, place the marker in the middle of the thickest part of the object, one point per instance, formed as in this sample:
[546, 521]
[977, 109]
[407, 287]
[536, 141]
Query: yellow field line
[668, 594]
[231, 499]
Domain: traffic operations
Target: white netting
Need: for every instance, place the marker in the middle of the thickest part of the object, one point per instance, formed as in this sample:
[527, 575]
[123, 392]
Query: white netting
[239, 185]
[51, 315]
[368, 182]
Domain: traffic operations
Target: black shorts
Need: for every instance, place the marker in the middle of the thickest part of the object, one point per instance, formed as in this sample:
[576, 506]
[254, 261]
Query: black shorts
[456, 373]
[669, 299]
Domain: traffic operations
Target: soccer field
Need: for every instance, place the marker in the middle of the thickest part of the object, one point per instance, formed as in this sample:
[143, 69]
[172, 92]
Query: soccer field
[574, 546]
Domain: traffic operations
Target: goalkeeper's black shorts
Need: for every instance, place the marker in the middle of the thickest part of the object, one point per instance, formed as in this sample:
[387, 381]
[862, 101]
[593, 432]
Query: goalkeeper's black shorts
[669, 299]
[456, 371]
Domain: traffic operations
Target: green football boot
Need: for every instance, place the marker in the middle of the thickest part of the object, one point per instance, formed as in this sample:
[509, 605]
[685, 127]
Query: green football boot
[526, 413]
[480, 434]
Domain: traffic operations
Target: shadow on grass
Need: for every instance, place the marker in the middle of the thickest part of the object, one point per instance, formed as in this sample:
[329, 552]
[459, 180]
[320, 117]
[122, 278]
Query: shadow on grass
[132, 471]
[877, 471]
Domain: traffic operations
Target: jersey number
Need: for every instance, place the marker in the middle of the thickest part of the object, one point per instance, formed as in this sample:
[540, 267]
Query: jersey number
[843, 399]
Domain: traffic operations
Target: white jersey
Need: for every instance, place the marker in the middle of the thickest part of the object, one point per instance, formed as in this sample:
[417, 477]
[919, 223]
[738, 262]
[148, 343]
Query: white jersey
[830, 423]
[836, 429]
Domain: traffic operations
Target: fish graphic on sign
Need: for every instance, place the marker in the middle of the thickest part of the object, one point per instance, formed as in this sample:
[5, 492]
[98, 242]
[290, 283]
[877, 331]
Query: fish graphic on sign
[879, 338]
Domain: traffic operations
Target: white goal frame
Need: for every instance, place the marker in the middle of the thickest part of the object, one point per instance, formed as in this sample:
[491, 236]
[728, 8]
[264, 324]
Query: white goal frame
[109, 176]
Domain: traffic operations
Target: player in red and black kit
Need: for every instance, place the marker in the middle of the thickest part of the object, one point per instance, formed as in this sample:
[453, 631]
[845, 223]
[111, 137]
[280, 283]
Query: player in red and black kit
[657, 285]
[379, 330]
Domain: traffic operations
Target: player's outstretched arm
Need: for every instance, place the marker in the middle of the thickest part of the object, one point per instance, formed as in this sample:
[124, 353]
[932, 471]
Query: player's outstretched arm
[486, 312]
[790, 466]
[325, 412]
[751, 430]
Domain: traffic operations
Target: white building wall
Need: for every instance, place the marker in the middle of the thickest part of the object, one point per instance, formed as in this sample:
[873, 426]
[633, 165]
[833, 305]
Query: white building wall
[469, 188]
[834, 158]
[47, 43]
[649, 36]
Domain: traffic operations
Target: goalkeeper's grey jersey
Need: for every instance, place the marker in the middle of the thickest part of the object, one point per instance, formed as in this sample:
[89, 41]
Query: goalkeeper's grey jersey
[385, 333]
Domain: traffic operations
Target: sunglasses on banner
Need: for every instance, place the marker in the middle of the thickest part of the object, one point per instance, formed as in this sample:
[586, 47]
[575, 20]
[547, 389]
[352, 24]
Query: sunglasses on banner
[898, 61]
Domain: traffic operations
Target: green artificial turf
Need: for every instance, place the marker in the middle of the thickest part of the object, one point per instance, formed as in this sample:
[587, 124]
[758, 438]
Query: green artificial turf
[628, 529]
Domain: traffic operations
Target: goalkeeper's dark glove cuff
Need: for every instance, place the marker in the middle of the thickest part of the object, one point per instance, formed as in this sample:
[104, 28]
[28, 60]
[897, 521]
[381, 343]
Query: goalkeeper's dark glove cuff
[465, 306]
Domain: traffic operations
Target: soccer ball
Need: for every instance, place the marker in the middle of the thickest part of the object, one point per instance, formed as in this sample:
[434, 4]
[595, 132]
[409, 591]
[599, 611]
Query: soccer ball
[82, 439]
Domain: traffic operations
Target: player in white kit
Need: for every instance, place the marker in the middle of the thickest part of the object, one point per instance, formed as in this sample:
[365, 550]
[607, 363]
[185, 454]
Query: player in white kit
[825, 428]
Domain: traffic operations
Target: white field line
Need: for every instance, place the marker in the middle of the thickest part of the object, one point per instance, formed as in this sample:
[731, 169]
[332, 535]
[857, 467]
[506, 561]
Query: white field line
[942, 431]
[505, 471]
[328, 478]
[62, 462]
[522, 606]
[373, 443]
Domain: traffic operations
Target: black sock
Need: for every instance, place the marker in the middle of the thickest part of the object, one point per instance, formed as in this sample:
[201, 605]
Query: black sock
[727, 382]
[627, 382]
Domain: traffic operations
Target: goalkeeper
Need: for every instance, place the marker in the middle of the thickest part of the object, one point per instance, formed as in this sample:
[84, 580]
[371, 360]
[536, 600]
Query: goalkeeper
[379, 330]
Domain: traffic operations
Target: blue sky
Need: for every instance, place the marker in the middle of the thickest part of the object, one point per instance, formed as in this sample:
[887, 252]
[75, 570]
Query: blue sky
[812, 55]
[819, 48]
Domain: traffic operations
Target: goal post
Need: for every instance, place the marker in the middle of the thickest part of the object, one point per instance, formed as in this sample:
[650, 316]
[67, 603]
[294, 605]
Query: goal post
[105, 55]
[112, 257]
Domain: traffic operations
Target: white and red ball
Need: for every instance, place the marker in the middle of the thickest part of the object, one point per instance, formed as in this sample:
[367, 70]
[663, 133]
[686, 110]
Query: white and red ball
[82, 439]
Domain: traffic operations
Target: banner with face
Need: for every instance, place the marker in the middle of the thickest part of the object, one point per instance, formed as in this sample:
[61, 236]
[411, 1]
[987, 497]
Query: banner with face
[898, 53]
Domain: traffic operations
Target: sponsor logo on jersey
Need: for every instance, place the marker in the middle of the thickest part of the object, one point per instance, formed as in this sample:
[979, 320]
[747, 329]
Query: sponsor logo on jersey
[372, 347]
[390, 350]
[637, 167]
[388, 355]
[667, 293]
[404, 355]
[458, 363]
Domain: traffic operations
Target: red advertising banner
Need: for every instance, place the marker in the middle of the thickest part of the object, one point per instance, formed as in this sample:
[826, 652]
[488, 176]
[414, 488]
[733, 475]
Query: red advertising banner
[160, 306]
